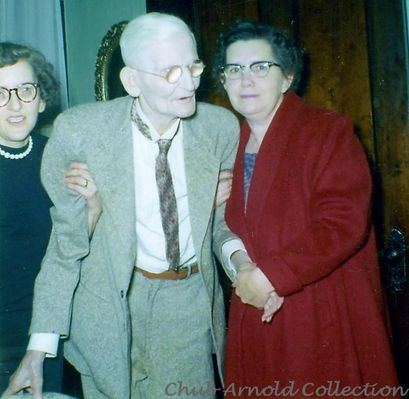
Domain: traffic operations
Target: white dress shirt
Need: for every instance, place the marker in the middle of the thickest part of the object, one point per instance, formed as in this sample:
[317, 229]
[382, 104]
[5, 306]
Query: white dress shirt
[151, 242]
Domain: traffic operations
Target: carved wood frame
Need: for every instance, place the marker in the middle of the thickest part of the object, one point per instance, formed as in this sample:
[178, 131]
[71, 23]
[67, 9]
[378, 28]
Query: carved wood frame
[109, 45]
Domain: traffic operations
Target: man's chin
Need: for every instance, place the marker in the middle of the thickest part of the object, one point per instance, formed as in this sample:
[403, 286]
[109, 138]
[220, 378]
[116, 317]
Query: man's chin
[185, 112]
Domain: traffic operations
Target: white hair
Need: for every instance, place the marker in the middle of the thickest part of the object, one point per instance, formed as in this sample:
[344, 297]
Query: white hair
[144, 30]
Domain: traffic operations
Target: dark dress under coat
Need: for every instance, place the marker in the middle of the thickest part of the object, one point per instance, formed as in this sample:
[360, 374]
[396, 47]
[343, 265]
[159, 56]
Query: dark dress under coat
[307, 226]
[25, 226]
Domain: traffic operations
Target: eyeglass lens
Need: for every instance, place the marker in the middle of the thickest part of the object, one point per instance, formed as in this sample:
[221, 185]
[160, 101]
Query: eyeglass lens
[175, 73]
[26, 92]
[258, 69]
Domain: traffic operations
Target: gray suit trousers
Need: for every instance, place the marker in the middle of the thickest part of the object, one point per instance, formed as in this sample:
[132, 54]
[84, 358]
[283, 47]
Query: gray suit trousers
[171, 338]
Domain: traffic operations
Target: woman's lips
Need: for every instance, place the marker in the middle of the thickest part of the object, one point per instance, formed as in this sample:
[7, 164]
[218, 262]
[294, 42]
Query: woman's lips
[15, 119]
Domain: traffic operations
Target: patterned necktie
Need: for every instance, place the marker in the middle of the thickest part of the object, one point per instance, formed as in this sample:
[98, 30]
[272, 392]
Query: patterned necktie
[167, 198]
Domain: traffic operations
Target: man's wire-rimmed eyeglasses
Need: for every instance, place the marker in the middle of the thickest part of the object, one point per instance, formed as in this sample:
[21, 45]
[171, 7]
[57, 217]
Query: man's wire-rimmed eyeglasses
[174, 73]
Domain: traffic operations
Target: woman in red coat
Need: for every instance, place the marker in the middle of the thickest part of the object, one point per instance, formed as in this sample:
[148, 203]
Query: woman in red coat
[301, 203]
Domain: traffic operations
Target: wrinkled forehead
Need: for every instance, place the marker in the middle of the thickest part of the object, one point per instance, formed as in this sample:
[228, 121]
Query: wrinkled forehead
[180, 49]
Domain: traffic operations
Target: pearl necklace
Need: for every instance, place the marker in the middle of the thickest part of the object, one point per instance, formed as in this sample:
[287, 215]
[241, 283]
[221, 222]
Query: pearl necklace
[8, 155]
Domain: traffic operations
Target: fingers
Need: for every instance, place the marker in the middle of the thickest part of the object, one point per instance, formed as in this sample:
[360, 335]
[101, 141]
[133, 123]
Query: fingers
[19, 380]
[225, 174]
[221, 199]
[271, 307]
[223, 187]
[223, 195]
[73, 173]
[28, 376]
[253, 287]
[37, 387]
[79, 179]
[79, 182]
[249, 298]
[78, 165]
[86, 188]
[8, 392]
[268, 312]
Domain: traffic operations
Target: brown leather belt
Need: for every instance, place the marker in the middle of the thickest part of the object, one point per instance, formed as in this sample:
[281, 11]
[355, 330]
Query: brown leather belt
[170, 274]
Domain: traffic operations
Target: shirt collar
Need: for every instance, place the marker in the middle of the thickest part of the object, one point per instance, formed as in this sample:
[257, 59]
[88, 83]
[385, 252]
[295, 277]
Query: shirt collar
[168, 134]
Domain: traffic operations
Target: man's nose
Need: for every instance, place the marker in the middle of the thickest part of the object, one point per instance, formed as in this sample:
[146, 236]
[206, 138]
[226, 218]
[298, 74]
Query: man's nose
[187, 80]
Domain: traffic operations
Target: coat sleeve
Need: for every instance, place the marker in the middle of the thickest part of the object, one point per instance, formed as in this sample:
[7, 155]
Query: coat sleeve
[228, 148]
[338, 211]
[69, 243]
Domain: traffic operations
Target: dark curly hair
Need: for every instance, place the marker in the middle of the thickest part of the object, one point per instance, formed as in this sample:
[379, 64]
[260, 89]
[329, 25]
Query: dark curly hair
[11, 53]
[287, 54]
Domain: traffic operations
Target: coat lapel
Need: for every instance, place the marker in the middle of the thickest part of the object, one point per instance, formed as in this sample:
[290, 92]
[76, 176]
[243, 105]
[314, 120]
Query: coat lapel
[202, 169]
[273, 149]
[235, 208]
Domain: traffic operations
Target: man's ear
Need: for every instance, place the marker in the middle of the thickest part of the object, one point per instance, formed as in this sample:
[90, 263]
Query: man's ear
[129, 81]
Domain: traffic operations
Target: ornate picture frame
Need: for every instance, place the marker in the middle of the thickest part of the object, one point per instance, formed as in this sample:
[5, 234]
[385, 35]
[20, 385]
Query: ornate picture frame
[109, 63]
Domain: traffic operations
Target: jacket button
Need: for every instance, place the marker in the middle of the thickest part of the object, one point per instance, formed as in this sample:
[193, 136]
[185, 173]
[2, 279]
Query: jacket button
[122, 293]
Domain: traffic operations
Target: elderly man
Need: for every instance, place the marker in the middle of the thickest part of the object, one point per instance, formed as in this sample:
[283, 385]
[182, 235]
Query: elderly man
[140, 305]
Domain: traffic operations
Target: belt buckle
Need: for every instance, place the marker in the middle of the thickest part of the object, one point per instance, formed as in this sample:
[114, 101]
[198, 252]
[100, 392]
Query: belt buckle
[184, 269]
[189, 271]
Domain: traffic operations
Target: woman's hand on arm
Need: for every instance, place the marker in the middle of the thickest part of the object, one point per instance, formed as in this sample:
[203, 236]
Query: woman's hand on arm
[273, 305]
[78, 178]
[253, 287]
[223, 187]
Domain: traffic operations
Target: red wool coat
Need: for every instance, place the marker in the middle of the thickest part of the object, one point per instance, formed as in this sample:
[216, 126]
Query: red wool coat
[307, 226]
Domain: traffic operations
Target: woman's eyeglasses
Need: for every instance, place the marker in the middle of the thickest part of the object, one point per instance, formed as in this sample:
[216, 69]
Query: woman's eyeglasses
[26, 92]
[258, 69]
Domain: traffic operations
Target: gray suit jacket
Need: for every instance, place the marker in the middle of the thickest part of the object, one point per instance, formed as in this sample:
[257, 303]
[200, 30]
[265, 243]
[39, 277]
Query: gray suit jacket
[81, 290]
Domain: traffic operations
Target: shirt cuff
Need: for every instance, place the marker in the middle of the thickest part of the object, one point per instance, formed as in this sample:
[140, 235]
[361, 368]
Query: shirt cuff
[228, 249]
[44, 342]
